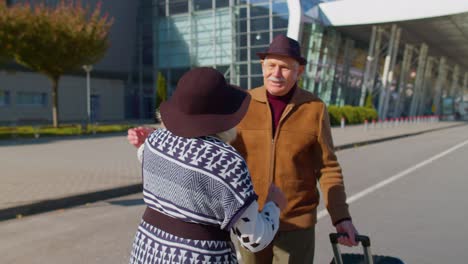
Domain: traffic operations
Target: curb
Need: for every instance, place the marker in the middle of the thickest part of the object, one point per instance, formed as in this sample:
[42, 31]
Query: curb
[373, 141]
[67, 202]
[81, 199]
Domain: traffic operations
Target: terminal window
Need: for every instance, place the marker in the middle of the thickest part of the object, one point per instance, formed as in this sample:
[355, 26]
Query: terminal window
[31, 99]
[4, 98]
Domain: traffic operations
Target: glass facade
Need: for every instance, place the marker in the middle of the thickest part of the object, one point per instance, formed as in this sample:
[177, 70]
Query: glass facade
[335, 67]
[225, 35]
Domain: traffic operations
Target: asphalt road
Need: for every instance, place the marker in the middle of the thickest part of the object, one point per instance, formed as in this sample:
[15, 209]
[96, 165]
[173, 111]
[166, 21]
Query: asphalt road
[408, 195]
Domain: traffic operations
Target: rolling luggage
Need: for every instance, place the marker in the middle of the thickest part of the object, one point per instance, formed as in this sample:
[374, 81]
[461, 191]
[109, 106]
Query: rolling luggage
[359, 258]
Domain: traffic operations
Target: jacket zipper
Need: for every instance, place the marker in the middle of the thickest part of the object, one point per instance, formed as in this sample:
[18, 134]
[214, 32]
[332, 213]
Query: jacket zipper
[286, 111]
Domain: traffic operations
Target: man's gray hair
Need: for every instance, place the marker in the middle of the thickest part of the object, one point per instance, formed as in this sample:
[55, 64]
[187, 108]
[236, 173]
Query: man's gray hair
[227, 136]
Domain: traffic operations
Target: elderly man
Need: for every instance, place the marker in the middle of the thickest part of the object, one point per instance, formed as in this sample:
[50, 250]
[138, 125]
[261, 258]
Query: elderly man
[285, 137]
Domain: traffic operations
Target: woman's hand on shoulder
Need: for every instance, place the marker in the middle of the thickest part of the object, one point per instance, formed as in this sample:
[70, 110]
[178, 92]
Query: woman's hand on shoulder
[137, 136]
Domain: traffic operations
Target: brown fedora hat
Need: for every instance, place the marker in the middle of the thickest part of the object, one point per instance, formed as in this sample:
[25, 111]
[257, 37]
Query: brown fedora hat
[284, 46]
[203, 103]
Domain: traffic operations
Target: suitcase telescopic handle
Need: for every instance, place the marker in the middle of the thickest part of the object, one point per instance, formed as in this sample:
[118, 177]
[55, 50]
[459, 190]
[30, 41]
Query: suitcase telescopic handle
[365, 241]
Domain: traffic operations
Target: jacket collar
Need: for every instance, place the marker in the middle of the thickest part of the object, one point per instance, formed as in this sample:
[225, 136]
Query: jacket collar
[299, 97]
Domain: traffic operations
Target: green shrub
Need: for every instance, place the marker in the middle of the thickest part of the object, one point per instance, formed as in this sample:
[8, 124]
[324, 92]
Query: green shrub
[335, 115]
[352, 114]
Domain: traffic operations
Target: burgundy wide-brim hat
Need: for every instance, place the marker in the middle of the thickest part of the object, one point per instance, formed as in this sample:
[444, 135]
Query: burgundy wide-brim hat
[284, 46]
[203, 104]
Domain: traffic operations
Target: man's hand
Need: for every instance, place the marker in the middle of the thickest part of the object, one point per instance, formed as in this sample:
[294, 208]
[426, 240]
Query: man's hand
[348, 228]
[137, 136]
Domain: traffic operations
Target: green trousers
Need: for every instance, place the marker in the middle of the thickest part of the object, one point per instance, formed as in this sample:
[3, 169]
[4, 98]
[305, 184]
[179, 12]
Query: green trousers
[288, 247]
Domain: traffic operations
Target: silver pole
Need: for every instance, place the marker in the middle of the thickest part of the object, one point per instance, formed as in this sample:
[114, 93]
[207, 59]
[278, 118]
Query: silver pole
[88, 69]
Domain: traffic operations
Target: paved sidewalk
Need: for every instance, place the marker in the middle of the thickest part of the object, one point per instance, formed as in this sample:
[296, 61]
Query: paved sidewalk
[46, 174]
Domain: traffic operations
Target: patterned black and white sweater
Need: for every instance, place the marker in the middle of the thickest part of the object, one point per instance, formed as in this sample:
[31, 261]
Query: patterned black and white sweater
[199, 180]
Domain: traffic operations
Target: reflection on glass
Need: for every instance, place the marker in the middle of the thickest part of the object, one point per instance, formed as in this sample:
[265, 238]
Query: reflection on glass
[242, 26]
[243, 70]
[242, 40]
[222, 3]
[280, 22]
[242, 54]
[244, 82]
[202, 4]
[262, 10]
[257, 81]
[256, 1]
[223, 70]
[280, 7]
[260, 38]
[259, 24]
[254, 51]
[242, 12]
[256, 66]
[178, 7]
[161, 8]
[279, 31]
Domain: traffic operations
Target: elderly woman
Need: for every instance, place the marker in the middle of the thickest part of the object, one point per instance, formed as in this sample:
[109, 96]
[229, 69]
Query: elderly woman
[197, 188]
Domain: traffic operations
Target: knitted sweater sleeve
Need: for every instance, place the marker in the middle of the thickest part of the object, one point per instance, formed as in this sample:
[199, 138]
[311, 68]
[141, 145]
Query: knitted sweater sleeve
[140, 152]
[255, 230]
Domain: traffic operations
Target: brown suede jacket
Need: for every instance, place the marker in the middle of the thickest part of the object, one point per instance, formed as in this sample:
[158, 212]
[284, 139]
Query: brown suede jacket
[300, 154]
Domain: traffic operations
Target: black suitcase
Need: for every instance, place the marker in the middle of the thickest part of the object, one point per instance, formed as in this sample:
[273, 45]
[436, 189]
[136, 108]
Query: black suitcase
[359, 258]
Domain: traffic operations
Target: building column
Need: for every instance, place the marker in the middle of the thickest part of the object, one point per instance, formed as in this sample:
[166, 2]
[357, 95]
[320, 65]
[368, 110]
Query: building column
[372, 64]
[233, 73]
[387, 78]
[455, 79]
[369, 76]
[464, 92]
[313, 56]
[426, 85]
[419, 79]
[347, 60]
[405, 71]
[327, 84]
[295, 19]
[440, 82]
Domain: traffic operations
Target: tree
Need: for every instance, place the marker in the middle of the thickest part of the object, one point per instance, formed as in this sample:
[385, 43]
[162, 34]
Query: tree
[60, 39]
[7, 34]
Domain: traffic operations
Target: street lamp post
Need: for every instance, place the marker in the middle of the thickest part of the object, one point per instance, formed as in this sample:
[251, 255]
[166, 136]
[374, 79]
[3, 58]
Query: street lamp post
[88, 69]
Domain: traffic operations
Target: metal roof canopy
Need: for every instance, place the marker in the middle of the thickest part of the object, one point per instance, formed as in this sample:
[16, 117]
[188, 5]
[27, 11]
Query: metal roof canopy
[443, 25]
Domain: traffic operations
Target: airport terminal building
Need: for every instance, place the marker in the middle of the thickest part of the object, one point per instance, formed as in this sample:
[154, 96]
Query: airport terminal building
[411, 57]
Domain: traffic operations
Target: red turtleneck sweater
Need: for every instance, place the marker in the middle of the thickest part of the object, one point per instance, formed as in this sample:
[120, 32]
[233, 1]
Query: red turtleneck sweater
[277, 106]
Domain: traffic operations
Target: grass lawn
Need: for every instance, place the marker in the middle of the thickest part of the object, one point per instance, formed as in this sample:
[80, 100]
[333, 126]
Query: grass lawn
[63, 130]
